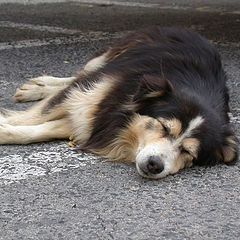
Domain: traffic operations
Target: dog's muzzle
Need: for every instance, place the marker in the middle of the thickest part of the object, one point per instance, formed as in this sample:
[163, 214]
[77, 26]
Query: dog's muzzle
[156, 160]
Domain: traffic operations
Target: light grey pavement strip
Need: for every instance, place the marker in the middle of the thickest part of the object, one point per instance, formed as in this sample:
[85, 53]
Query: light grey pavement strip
[38, 27]
[81, 36]
[53, 29]
[15, 167]
[203, 5]
[122, 3]
[37, 43]
[91, 35]
[133, 4]
[174, 5]
[94, 36]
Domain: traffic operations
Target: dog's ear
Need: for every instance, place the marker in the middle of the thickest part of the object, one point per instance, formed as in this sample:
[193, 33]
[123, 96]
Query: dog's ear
[152, 86]
[229, 149]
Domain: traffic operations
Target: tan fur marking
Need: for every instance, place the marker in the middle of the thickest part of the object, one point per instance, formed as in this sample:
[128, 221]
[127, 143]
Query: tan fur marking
[148, 136]
[184, 160]
[231, 140]
[229, 151]
[122, 46]
[155, 94]
[191, 145]
[124, 147]
[119, 50]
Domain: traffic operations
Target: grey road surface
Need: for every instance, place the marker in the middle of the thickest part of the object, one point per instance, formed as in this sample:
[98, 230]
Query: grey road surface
[51, 191]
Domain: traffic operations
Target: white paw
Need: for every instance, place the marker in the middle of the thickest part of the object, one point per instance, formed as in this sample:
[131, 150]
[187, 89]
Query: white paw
[6, 135]
[30, 91]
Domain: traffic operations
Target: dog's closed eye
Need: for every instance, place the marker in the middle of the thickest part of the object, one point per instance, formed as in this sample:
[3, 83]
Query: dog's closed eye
[171, 127]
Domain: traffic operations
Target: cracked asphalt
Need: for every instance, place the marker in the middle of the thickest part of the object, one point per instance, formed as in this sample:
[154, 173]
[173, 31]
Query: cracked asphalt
[51, 191]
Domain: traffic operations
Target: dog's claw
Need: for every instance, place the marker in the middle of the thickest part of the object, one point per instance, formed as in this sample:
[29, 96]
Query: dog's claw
[72, 142]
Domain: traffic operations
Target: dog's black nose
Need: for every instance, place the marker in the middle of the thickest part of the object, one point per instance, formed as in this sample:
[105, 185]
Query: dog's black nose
[155, 165]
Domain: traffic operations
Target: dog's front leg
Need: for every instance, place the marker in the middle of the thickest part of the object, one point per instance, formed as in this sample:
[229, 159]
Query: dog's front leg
[58, 129]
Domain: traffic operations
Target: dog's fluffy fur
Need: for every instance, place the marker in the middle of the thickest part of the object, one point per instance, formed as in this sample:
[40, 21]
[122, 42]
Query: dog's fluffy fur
[156, 97]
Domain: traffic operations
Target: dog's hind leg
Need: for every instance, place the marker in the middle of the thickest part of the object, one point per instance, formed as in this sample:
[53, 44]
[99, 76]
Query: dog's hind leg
[53, 81]
[58, 129]
[41, 87]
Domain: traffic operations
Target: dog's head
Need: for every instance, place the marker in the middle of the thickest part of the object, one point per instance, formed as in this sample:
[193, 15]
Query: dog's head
[176, 131]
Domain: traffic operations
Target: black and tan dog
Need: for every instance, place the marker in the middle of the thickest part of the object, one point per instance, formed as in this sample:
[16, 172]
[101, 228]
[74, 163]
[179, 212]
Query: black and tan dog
[156, 97]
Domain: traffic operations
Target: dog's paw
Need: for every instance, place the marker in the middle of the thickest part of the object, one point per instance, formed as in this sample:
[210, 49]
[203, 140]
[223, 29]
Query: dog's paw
[30, 91]
[6, 134]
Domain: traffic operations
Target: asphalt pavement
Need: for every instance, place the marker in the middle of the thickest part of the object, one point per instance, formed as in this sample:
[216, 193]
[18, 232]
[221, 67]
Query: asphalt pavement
[51, 191]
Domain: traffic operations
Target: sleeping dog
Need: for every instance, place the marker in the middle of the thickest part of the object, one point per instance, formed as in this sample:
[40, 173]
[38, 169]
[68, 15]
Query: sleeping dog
[157, 98]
